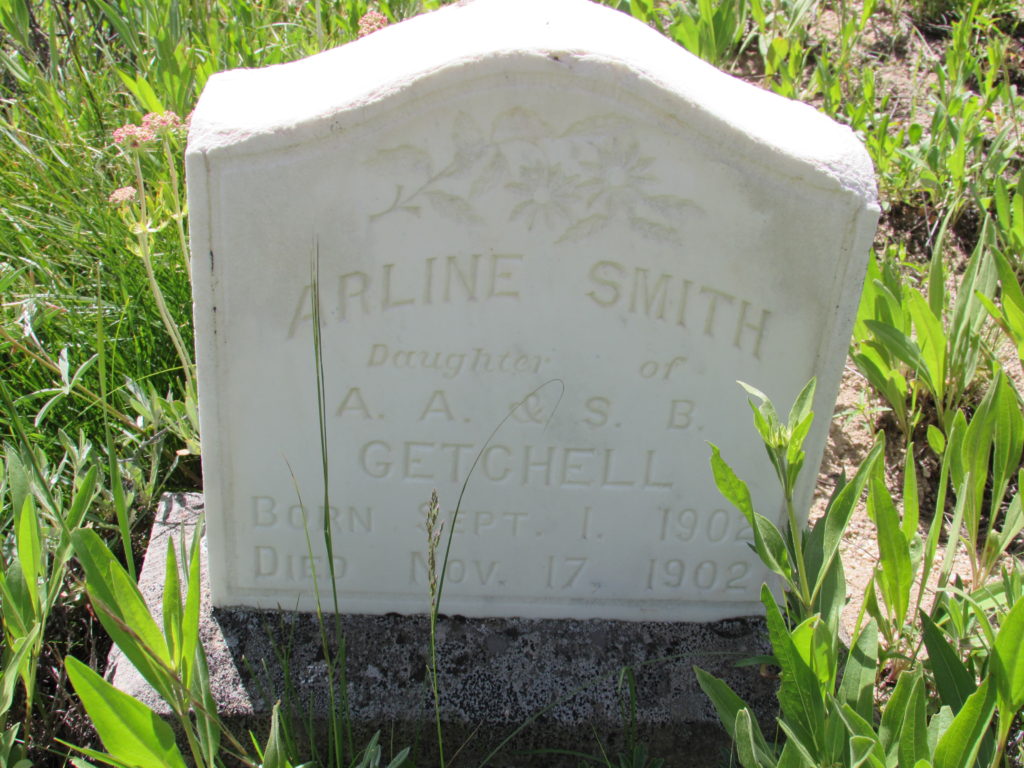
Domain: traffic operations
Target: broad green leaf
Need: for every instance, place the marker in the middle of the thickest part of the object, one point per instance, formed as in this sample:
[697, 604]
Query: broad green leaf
[1008, 437]
[728, 705]
[172, 607]
[858, 687]
[952, 680]
[208, 727]
[940, 721]
[799, 694]
[896, 574]
[936, 440]
[768, 542]
[840, 510]
[1007, 664]
[122, 610]
[911, 512]
[130, 731]
[274, 755]
[931, 341]
[861, 728]
[913, 745]
[896, 713]
[862, 750]
[30, 551]
[746, 749]
[190, 616]
[18, 615]
[14, 665]
[792, 757]
[801, 410]
[903, 348]
[19, 483]
[959, 745]
[1013, 518]
[730, 486]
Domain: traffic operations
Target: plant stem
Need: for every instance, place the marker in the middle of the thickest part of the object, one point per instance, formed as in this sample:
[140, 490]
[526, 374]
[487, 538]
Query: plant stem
[179, 213]
[142, 233]
[796, 534]
[433, 683]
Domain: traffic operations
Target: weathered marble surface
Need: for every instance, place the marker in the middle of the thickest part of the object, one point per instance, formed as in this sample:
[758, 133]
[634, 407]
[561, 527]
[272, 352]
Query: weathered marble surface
[532, 202]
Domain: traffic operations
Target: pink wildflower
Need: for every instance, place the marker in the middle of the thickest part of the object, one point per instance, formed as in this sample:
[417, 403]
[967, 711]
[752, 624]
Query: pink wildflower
[122, 195]
[163, 122]
[133, 135]
[371, 22]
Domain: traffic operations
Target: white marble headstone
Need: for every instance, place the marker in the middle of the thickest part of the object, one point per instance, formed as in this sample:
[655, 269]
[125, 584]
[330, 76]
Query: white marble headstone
[548, 242]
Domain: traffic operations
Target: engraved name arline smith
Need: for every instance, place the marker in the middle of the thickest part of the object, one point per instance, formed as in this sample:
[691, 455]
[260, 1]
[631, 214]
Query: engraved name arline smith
[716, 313]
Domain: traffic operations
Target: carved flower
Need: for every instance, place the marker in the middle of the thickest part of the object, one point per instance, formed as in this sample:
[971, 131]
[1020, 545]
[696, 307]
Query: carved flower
[619, 176]
[547, 192]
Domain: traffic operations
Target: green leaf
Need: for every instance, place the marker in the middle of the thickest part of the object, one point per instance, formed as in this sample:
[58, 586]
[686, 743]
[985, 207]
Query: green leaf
[1007, 664]
[30, 551]
[208, 726]
[130, 731]
[800, 695]
[801, 410]
[959, 745]
[896, 574]
[911, 511]
[936, 440]
[768, 542]
[953, 681]
[123, 612]
[903, 348]
[858, 687]
[863, 729]
[274, 755]
[728, 705]
[746, 748]
[172, 607]
[190, 617]
[897, 711]
[862, 750]
[20, 651]
[913, 745]
[840, 510]
[931, 341]
[940, 721]
[19, 483]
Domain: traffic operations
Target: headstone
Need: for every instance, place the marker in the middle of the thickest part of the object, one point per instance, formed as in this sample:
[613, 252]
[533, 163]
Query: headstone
[542, 243]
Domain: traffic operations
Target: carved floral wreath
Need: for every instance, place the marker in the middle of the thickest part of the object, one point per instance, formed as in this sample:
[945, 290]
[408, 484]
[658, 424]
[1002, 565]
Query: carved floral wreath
[601, 177]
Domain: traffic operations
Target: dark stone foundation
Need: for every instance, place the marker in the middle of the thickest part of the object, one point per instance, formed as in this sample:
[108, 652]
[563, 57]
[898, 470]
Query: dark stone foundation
[534, 687]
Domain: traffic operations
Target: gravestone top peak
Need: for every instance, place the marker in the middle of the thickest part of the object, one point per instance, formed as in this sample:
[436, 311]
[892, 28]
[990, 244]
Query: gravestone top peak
[541, 243]
[259, 108]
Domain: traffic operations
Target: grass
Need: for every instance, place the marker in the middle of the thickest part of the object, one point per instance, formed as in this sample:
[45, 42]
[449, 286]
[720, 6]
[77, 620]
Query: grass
[98, 407]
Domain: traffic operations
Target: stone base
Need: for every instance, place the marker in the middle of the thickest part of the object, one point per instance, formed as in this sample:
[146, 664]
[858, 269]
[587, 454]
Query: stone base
[543, 684]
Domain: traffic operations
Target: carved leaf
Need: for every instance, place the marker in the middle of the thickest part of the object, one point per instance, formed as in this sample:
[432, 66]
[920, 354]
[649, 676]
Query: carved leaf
[652, 230]
[671, 206]
[403, 159]
[452, 207]
[469, 143]
[519, 123]
[494, 170]
[599, 125]
[584, 228]
[518, 210]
